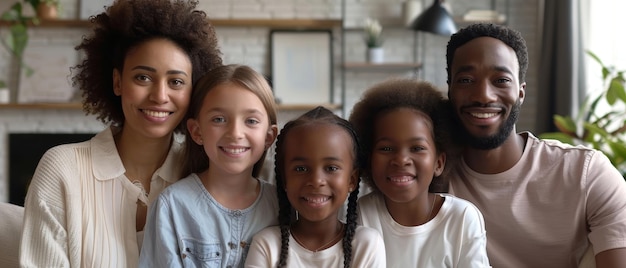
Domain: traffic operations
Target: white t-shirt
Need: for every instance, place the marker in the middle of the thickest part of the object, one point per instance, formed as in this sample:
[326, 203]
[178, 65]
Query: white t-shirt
[455, 237]
[368, 250]
[544, 211]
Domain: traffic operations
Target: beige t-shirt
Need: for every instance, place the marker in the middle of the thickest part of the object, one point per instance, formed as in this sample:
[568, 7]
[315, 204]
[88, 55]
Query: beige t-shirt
[547, 209]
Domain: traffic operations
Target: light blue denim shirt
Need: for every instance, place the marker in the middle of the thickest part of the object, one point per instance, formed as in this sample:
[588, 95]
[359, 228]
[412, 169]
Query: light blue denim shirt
[187, 227]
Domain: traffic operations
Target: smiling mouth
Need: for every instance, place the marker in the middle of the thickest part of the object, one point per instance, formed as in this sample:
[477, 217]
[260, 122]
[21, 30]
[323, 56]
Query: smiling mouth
[156, 113]
[484, 115]
[401, 178]
[316, 200]
[234, 150]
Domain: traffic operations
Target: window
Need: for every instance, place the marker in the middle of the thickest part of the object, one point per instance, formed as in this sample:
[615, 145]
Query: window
[604, 37]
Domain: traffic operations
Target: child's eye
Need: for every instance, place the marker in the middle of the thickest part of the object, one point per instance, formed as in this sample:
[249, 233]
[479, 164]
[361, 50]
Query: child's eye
[417, 148]
[385, 149]
[332, 168]
[252, 121]
[218, 120]
[300, 169]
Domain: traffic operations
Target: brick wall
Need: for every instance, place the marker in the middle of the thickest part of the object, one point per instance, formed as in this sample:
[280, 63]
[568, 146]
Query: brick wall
[249, 45]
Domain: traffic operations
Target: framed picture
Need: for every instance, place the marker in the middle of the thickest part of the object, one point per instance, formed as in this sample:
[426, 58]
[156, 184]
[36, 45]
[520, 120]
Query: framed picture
[301, 64]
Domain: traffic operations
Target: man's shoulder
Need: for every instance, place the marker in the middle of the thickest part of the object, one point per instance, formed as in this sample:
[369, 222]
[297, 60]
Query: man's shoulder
[555, 147]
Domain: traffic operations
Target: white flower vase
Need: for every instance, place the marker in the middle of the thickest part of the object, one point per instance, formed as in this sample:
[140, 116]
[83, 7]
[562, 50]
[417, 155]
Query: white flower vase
[5, 95]
[375, 55]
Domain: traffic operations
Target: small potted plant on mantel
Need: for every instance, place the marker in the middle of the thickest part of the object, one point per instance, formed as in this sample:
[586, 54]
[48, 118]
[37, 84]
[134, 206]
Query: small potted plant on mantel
[46, 9]
[374, 41]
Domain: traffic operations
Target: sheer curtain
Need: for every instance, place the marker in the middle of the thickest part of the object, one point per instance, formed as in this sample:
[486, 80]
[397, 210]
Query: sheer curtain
[604, 36]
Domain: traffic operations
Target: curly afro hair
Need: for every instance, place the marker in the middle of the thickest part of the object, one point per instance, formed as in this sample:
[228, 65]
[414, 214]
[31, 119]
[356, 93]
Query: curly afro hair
[510, 37]
[128, 23]
[403, 93]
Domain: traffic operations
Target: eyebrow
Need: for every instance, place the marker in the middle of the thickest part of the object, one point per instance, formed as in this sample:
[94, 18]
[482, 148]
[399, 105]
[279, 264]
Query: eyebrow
[467, 68]
[150, 69]
[411, 139]
[302, 159]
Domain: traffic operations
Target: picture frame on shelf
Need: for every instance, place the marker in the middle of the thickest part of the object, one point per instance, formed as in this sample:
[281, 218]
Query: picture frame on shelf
[301, 66]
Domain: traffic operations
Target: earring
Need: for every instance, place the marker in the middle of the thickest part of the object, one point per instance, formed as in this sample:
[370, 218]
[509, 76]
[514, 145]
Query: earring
[350, 189]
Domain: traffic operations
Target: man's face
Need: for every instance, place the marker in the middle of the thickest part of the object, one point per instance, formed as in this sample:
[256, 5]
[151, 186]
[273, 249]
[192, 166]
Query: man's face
[485, 91]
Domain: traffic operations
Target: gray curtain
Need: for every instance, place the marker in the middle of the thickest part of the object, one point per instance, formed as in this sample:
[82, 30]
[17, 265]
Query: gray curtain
[561, 77]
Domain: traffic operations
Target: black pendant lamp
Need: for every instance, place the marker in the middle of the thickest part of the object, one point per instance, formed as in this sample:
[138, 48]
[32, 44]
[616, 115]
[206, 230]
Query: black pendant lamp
[435, 19]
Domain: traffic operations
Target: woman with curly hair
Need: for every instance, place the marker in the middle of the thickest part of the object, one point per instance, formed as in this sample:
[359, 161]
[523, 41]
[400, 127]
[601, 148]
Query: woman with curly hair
[86, 204]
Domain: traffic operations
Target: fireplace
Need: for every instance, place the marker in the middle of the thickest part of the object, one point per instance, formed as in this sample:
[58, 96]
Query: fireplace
[25, 150]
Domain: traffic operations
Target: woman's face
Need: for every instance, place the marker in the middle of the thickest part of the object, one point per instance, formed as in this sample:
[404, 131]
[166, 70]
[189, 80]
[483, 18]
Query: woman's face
[155, 88]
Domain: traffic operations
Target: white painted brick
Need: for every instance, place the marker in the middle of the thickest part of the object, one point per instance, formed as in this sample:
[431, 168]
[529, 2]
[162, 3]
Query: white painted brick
[250, 45]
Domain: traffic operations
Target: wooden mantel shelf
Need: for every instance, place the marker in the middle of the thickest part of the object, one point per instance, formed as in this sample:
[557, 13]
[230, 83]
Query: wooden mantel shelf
[381, 66]
[272, 23]
[43, 106]
[79, 106]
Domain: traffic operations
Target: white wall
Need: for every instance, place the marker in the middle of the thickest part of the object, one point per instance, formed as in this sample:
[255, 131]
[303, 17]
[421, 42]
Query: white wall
[249, 45]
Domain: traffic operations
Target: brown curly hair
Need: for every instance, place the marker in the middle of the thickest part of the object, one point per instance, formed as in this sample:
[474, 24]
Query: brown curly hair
[404, 93]
[126, 24]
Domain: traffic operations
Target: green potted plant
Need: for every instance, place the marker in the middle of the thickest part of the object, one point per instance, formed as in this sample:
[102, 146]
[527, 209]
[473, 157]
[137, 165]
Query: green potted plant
[17, 38]
[603, 129]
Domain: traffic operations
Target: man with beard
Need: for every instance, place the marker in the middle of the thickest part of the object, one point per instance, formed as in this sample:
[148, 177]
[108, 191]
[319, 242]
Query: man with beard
[545, 203]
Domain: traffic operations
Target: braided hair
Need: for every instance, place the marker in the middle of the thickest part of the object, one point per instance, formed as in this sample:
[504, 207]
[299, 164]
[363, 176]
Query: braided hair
[286, 215]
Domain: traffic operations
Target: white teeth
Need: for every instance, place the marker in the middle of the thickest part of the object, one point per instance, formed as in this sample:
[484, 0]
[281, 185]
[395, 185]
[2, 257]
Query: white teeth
[235, 151]
[484, 115]
[317, 199]
[401, 179]
[156, 113]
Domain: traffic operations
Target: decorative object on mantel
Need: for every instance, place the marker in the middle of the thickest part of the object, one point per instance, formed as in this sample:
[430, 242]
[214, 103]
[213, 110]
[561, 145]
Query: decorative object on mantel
[374, 40]
[47, 9]
[4, 92]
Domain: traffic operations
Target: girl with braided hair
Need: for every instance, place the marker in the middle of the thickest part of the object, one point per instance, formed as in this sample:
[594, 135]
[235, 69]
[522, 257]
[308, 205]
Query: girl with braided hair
[317, 167]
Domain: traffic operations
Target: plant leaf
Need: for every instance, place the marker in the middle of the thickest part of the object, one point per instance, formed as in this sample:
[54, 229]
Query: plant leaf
[20, 39]
[595, 57]
[562, 137]
[617, 88]
[565, 125]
